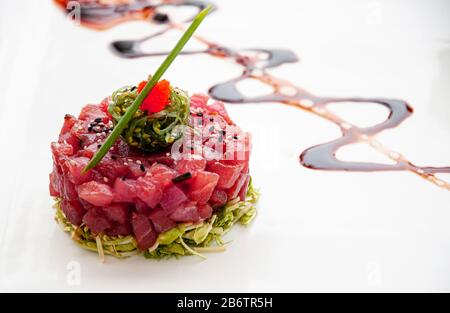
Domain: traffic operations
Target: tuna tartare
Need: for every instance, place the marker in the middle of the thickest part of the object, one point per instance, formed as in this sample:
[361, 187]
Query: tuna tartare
[173, 184]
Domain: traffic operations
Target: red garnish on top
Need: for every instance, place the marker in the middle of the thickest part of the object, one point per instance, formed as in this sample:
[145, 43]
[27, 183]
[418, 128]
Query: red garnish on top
[157, 99]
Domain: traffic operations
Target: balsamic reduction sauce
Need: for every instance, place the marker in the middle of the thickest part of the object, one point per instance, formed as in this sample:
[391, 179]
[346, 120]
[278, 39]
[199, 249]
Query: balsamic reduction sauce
[255, 63]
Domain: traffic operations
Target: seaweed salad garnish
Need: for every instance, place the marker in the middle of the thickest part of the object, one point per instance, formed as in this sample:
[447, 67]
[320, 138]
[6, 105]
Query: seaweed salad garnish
[155, 126]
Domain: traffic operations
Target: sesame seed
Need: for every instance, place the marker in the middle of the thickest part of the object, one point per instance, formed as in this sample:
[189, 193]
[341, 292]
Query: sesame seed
[142, 167]
[105, 179]
[138, 162]
[125, 163]
[98, 120]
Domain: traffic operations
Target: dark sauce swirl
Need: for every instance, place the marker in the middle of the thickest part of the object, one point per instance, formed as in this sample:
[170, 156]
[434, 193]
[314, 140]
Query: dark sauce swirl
[256, 63]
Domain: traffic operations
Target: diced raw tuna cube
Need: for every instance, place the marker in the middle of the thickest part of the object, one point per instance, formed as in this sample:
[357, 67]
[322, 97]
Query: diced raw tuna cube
[87, 140]
[117, 213]
[219, 107]
[68, 190]
[144, 231]
[74, 211]
[148, 192]
[218, 198]
[96, 221]
[96, 193]
[228, 173]
[136, 170]
[161, 221]
[125, 190]
[202, 186]
[73, 169]
[54, 184]
[187, 212]
[90, 112]
[199, 101]
[69, 122]
[204, 211]
[243, 193]
[172, 197]
[190, 163]
[141, 207]
[161, 175]
[238, 151]
[61, 150]
[234, 191]
[112, 169]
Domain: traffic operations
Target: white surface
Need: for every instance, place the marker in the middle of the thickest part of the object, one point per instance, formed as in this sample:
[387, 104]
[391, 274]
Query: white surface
[315, 230]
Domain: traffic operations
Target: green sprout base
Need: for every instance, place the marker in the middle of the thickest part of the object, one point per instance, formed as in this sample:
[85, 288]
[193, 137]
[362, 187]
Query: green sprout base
[185, 239]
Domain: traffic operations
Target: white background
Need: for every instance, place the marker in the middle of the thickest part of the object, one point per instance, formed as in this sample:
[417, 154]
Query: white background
[316, 231]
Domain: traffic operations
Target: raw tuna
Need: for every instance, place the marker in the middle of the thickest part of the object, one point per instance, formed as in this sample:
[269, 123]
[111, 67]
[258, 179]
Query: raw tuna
[202, 186]
[144, 231]
[218, 198]
[172, 198]
[187, 212]
[131, 192]
[95, 193]
[161, 221]
[117, 213]
[148, 192]
[96, 221]
[228, 173]
[74, 211]
[125, 190]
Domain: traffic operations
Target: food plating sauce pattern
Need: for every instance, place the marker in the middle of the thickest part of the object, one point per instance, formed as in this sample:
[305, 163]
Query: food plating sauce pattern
[256, 63]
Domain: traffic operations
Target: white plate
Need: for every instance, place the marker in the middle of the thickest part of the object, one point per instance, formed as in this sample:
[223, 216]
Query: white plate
[315, 230]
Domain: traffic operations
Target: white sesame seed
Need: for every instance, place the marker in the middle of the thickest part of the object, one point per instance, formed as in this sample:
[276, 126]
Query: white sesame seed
[139, 162]
[125, 163]
[105, 179]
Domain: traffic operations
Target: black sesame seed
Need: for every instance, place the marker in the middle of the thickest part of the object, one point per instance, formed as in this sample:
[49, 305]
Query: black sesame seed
[142, 167]
[211, 119]
[90, 129]
[199, 114]
[113, 157]
[161, 17]
[98, 120]
[133, 88]
[123, 178]
[223, 133]
[235, 137]
[99, 146]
